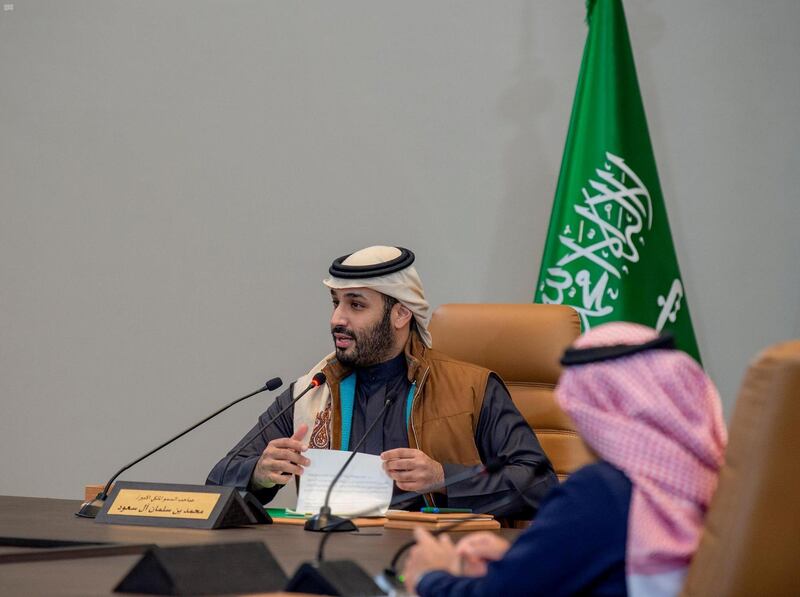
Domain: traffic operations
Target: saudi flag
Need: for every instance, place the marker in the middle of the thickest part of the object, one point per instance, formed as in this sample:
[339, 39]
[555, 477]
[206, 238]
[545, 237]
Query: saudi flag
[609, 251]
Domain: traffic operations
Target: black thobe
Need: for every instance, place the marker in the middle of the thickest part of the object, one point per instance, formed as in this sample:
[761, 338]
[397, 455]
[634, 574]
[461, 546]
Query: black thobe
[501, 433]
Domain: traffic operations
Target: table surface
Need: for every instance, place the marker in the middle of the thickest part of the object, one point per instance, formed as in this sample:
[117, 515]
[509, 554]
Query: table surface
[54, 519]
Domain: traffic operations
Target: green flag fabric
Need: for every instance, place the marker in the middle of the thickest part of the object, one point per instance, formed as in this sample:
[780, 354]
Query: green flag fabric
[609, 251]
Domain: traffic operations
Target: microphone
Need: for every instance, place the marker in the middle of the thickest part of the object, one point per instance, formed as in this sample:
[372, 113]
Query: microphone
[324, 521]
[316, 381]
[92, 508]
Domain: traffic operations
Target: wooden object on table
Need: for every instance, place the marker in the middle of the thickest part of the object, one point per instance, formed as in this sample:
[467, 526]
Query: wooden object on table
[399, 519]
[90, 491]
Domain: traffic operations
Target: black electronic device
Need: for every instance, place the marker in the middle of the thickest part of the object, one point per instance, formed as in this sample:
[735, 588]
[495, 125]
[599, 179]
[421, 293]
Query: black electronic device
[211, 569]
[339, 577]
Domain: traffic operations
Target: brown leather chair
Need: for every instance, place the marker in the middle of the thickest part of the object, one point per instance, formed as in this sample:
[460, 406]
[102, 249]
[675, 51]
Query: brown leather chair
[523, 344]
[751, 541]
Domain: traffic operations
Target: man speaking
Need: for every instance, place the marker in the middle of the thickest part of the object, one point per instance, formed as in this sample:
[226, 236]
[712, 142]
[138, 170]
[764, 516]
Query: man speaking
[445, 415]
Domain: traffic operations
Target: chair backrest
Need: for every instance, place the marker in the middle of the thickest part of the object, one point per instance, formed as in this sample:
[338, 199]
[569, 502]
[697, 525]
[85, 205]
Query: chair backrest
[523, 344]
[751, 540]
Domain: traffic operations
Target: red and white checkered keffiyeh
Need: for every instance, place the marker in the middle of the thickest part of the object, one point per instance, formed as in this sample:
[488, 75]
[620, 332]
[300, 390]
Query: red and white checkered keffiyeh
[656, 416]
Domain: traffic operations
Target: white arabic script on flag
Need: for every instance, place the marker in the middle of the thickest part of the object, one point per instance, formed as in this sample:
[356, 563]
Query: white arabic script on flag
[616, 212]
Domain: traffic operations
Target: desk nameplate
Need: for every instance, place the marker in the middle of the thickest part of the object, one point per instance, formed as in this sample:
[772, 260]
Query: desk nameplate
[175, 505]
[160, 503]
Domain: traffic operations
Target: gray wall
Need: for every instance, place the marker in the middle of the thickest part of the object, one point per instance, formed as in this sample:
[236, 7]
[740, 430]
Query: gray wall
[175, 178]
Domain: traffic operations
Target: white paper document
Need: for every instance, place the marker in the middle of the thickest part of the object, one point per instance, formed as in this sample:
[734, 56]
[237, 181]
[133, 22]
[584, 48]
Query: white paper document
[363, 488]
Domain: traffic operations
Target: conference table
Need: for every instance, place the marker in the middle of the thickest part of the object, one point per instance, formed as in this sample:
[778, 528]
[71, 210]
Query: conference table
[46, 550]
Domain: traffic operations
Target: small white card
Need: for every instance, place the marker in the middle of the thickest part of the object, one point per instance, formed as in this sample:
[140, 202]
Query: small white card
[363, 489]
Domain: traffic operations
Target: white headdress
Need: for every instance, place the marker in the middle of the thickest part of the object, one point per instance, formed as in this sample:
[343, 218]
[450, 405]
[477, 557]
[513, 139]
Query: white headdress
[388, 270]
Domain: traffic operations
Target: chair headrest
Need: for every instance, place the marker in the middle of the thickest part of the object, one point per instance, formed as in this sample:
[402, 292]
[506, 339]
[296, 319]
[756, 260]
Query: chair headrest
[522, 343]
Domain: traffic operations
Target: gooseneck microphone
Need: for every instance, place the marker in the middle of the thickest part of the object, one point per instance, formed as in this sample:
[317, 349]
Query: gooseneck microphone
[324, 521]
[315, 382]
[92, 508]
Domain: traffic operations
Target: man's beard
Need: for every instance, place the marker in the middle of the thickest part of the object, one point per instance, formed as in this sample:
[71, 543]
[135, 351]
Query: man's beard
[371, 346]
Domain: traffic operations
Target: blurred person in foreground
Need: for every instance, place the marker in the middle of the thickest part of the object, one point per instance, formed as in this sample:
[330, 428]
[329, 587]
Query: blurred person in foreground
[628, 524]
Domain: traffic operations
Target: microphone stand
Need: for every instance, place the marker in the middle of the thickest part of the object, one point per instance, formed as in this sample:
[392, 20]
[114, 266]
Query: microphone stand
[324, 521]
[92, 508]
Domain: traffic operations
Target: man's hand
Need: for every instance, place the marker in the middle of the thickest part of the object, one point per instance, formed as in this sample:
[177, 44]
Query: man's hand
[413, 470]
[281, 459]
[476, 550]
[430, 553]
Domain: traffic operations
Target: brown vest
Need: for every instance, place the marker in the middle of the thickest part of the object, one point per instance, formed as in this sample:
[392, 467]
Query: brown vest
[445, 409]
